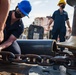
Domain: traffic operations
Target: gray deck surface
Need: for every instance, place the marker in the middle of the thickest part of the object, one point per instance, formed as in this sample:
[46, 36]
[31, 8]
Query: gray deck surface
[45, 70]
[26, 69]
[21, 69]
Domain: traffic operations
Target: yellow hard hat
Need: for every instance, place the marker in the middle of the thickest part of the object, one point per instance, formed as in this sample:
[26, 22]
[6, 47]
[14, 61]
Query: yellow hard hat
[61, 1]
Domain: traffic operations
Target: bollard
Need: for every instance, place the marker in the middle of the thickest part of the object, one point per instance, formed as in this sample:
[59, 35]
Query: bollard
[37, 46]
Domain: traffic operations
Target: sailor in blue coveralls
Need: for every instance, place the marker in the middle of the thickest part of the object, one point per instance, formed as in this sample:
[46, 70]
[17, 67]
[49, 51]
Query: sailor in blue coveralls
[14, 28]
[60, 17]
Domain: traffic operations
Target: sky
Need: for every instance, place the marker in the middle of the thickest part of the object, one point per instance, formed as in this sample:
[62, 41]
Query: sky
[42, 8]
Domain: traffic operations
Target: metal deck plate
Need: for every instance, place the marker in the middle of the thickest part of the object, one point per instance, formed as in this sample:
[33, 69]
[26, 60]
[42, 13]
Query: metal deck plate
[71, 72]
[45, 70]
[20, 69]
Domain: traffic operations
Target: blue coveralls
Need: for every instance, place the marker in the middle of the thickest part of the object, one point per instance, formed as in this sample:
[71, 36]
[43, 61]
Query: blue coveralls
[59, 28]
[15, 29]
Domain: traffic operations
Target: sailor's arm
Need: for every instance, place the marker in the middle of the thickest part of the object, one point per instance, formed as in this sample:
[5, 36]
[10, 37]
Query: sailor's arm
[4, 9]
[8, 42]
[51, 20]
[68, 24]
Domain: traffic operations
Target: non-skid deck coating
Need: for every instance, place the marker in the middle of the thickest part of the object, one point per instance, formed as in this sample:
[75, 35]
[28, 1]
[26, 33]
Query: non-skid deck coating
[26, 69]
[14, 69]
[47, 70]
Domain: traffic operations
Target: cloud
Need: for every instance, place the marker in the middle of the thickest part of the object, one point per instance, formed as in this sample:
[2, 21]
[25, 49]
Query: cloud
[46, 1]
[40, 2]
[39, 15]
[14, 3]
[37, 2]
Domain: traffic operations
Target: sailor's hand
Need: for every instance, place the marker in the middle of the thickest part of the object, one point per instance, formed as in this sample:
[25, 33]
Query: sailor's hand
[70, 30]
[49, 27]
[0, 49]
[1, 35]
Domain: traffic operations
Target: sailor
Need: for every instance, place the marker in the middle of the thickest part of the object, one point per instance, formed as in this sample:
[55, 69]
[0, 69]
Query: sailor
[59, 18]
[14, 27]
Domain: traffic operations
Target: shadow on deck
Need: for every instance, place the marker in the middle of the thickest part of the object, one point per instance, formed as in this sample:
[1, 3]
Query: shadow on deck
[14, 69]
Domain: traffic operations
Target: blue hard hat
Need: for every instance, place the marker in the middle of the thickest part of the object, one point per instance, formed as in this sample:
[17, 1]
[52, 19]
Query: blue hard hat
[25, 7]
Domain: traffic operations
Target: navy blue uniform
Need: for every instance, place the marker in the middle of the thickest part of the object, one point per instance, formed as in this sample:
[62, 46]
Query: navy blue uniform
[59, 27]
[15, 29]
